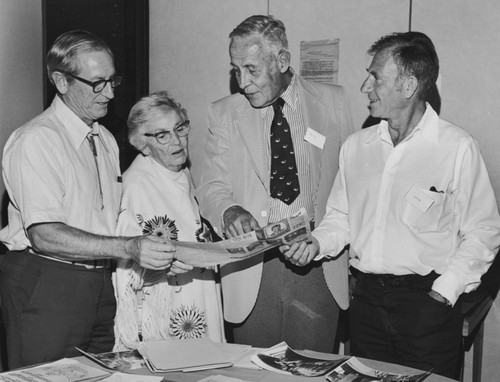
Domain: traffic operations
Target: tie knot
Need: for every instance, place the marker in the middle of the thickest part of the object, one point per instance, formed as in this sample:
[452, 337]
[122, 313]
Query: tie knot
[278, 104]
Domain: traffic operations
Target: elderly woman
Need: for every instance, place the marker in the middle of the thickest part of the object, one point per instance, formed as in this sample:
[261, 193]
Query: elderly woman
[158, 200]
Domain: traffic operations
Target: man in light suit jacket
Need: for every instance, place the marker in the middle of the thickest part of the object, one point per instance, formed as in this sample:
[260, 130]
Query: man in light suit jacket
[268, 300]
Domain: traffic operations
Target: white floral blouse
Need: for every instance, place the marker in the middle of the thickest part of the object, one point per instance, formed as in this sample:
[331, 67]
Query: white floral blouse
[150, 304]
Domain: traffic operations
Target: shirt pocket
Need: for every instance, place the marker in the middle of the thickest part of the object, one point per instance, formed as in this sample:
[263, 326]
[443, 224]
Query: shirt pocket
[431, 219]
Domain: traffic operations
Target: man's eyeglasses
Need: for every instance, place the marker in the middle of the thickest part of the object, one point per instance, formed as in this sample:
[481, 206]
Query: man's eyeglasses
[98, 86]
[164, 137]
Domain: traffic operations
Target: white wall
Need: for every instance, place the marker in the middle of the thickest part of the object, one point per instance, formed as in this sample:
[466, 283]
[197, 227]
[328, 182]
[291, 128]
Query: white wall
[21, 67]
[189, 57]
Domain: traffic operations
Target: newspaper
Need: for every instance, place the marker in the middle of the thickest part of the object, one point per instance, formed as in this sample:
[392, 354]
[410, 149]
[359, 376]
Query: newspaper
[64, 370]
[284, 360]
[120, 361]
[287, 231]
[354, 370]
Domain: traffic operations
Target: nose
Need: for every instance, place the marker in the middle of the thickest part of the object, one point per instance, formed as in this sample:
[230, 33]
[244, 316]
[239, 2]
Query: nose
[243, 79]
[174, 138]
[367, 85]
[109, 91]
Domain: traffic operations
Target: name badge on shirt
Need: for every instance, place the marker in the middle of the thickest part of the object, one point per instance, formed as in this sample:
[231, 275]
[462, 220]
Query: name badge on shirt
[315, 138]
[417, 198]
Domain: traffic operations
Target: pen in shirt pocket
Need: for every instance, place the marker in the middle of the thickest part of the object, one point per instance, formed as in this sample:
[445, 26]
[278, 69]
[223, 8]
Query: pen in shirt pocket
[433, 189]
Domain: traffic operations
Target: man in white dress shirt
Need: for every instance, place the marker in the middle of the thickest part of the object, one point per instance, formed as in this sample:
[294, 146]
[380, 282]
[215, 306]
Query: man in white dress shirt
[414, 201]
[62, 174]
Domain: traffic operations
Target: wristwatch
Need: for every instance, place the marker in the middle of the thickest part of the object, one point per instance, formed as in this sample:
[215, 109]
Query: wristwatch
[438, 297]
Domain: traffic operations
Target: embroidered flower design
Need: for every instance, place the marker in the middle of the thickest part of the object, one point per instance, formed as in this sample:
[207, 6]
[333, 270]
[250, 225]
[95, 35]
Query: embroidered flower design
[187, 322]
[202, 233]
[161, 226]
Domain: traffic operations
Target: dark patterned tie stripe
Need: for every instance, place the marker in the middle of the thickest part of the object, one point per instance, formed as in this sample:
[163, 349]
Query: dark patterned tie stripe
[284, 176]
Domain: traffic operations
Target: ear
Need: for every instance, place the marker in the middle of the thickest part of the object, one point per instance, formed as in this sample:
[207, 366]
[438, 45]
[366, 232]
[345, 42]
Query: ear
[145, 151]
[284, 61]
[410, 87]
[61, 82]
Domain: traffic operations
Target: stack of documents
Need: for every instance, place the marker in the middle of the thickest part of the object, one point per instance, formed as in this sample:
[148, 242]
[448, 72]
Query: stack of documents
[184, 355]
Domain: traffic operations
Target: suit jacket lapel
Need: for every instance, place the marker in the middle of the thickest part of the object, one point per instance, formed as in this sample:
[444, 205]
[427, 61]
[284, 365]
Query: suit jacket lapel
[255, 141]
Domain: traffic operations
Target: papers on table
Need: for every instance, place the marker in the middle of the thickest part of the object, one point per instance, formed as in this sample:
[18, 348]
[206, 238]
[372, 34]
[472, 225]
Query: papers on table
[220, 378]
[64, 370]
[122, 377]
[281, 359]
[120, 361]
[188, 355]
[353, 369]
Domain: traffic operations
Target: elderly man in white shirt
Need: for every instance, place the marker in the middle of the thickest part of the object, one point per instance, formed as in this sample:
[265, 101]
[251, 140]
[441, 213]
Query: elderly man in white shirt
[62, 174]
[414, 201]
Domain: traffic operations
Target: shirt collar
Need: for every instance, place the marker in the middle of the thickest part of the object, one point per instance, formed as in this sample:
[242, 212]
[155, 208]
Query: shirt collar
[76, 129]
[290, 96]
[427, 127]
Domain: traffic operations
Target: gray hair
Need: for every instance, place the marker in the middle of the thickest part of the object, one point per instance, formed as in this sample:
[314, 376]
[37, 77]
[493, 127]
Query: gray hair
[140, 114]
[272, 30]
[63, 54]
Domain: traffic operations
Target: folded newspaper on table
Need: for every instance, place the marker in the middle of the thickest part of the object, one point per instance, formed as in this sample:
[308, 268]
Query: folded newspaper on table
[287, 231]
[354, 370]
[282, 359]
[119, 361]
[63, 370]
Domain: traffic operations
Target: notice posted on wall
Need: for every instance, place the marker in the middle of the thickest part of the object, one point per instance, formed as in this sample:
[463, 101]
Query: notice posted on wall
[319, 60]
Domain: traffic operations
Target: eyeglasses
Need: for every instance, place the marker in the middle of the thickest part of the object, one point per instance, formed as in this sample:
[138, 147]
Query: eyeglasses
[164, 137]
[98, 86]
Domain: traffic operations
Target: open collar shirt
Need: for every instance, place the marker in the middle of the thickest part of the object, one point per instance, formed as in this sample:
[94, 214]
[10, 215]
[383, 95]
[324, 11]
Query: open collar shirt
[51, 175]
[424, 205]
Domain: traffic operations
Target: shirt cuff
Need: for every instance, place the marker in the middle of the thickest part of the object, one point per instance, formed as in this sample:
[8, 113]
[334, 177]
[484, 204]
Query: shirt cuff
[323, 241]
[449, 286]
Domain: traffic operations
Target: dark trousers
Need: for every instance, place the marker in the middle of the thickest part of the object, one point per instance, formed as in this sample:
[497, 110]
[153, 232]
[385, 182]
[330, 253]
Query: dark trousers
[392, 319]
[50, 307]
[294, 305]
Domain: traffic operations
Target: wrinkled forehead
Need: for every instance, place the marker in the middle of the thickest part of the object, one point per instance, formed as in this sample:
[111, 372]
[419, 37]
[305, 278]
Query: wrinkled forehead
[248, 46]
[161, 119]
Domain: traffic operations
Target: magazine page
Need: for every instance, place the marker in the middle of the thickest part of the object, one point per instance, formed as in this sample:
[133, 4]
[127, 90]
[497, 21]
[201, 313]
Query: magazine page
[284, 360]
[119, 361]
[64, 370]
[286, 231]
[353, 369]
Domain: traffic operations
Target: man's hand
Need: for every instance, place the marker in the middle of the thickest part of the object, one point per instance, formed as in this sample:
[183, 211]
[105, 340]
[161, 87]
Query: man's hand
[151, 252]
[439, 298]
[237, 221]
[301, 253]
[178, 267]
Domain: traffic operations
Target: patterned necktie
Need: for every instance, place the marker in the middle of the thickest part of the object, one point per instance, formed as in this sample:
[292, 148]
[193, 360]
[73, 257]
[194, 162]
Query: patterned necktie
[90, 137]
[284, 174]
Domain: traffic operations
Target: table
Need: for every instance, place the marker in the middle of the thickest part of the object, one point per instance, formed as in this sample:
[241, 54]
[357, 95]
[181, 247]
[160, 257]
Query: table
[252, 375]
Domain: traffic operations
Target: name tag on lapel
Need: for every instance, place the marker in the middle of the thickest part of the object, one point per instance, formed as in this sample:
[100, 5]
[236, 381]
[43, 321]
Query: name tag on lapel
[315, 138]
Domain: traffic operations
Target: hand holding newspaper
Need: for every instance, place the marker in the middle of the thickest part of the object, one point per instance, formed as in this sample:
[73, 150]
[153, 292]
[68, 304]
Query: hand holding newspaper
[287, 231]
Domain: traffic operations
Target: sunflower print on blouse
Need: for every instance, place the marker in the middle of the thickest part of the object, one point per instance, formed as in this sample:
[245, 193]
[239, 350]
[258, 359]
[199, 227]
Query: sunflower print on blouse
[185, 321]
[161, 226]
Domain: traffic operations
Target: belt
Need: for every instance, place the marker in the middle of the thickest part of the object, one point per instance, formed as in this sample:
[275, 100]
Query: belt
[94, 264]
[390, 280]
[89, 264]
